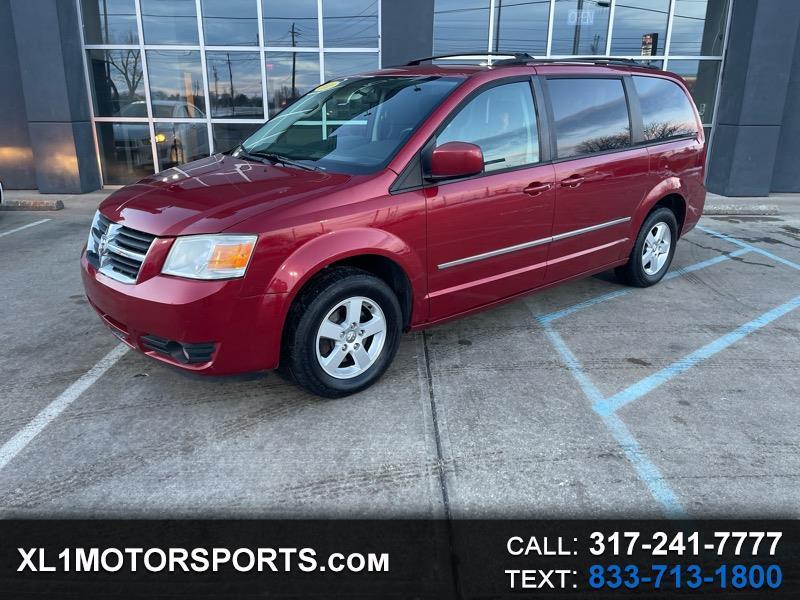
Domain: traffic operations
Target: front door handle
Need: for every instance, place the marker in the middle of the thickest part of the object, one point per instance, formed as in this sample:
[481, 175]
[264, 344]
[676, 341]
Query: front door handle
[536, 188]
[573, 181]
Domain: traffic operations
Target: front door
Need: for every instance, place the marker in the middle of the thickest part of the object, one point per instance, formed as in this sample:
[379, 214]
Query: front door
[488, 235]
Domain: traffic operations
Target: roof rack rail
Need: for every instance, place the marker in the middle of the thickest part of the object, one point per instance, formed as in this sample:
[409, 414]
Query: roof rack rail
[628, 62]
[510, 56]
[522, 58]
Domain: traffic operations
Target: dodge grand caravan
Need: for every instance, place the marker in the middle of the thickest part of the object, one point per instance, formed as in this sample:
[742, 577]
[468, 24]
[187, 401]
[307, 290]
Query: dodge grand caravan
[392, 201]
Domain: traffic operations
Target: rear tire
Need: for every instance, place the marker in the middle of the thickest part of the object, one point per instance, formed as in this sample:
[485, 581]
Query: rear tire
[652, 253]
[342, 333]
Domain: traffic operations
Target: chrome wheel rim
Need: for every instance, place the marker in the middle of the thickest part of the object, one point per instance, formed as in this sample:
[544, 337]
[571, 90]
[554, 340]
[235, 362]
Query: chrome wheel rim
[351, 337]
[655, 251]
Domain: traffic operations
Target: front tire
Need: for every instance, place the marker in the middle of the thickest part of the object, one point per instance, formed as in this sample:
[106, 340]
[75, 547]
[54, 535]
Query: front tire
[342, 333]
[652, 253]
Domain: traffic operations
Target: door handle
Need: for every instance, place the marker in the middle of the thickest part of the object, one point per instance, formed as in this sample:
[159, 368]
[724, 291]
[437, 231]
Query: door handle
[573, 181]
[536, 188]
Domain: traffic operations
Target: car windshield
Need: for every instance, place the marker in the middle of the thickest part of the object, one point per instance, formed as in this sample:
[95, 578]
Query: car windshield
[352, 125]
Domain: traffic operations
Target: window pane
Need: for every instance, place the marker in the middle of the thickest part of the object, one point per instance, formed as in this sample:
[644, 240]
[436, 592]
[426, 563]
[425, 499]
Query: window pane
[176, 83]
[109, 22]
[460, 26]
[698, 27]
[521, 26]
[291, 23]
[178, 143]
[350, 23]
[125, 152]
[580, 27]
[666, 111]
[591, 115]
[701, 79]
[340, 64]
[230, 22]
[502, 122]
[169, 22]
[640, 27]
[116, 77]
[289, 76]
[234, 85]
[229, 135]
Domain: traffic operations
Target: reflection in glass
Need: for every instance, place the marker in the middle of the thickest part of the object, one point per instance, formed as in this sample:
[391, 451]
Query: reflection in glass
[666, 111]
[289, 76]
[460, 25]
[350, 23]
[342, 64]
[580, 27]
[230, 22]
[229, 135]
[169, 21]
[109, 21]
[126, 154]
[336, 128]
[234, 85]
[590, 115]
[502, 122]
[116, 77]
[698, 27]
[179, 143]
[176, 83]
[640, 27]
[701, 79]
[521, 26]
[290, 23]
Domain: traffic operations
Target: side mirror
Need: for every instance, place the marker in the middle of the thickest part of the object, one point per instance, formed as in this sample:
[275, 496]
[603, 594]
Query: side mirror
[455, 159]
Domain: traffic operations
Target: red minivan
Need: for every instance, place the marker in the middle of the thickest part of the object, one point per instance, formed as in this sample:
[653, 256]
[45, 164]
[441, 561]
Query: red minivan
[395, 200]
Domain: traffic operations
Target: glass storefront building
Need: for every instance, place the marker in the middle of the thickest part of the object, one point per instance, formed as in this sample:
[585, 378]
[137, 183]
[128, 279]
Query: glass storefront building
[174, 80]
[141, 85]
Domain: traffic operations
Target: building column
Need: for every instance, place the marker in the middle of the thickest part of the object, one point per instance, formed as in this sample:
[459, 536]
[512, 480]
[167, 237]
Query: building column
[753, 97]
[53, 85]
[406, 31]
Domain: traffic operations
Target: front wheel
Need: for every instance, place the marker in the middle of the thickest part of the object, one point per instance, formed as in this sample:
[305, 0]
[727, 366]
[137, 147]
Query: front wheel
[343, 332]
[653, 251]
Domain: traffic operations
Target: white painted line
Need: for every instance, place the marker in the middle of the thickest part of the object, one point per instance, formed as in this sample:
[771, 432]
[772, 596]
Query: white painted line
[18, 443]
[10, 231]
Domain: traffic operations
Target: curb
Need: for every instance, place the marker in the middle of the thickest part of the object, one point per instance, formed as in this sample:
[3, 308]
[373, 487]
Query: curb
[741, 209]
[31, 204]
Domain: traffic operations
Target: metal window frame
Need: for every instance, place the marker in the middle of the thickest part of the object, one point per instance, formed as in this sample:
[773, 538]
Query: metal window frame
[261, 48]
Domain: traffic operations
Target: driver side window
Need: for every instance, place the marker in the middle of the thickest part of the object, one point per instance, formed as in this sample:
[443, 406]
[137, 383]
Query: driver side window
[502, 121]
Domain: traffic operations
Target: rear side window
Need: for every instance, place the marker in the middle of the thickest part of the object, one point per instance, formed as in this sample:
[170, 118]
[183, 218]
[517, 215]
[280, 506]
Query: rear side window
[502, 121]
[589, 115]
[666, 111]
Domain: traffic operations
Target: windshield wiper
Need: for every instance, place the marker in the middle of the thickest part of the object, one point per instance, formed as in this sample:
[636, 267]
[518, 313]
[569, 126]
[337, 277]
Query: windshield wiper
[283, 160]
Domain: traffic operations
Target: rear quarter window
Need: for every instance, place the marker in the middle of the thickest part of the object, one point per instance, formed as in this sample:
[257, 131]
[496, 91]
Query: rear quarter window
[666, 110]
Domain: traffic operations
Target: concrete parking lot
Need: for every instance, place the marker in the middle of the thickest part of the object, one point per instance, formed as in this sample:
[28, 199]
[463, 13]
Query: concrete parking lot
[586, 400]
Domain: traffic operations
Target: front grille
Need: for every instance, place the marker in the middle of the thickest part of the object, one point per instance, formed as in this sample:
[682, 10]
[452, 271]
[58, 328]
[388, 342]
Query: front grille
[182, 353]
[116, 250]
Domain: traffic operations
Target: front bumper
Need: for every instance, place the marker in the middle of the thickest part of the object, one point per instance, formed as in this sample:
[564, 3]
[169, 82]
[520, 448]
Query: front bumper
[245, 331]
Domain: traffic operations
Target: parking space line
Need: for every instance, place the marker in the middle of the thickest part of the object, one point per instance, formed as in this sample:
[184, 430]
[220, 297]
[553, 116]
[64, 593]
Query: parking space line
[18, 443]
[750, 247]
[606, 407]
[553, 316]
[16, 229]
[648, 384]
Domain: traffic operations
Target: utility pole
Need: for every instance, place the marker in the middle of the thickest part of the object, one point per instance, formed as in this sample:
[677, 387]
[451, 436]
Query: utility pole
[230, 78]
[576, 40]
[294, 61]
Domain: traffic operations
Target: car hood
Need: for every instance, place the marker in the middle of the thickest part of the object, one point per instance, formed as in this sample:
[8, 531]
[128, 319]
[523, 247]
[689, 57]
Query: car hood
[213, 194]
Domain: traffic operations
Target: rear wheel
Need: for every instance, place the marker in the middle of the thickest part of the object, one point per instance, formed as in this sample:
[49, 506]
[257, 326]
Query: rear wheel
[343, 332]
[653, 250]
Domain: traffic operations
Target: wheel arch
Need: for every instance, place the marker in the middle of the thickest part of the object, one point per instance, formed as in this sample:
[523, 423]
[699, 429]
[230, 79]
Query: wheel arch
[379, 252]
[668, 193]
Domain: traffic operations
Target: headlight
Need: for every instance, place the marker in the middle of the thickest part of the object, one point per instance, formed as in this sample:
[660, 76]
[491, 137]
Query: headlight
[210, 256]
